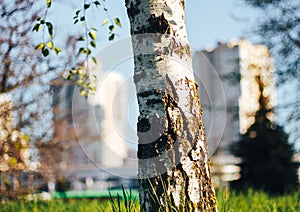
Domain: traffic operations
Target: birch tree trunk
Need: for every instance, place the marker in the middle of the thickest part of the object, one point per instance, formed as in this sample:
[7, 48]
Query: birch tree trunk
[172, 151]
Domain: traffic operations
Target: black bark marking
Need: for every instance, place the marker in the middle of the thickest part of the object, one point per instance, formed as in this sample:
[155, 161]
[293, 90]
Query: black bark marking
[158, 25]
[148, 93]
[153, 149]
[155, 24]
[153, 102]
[133, 10]
[154, 142]
[143, 125]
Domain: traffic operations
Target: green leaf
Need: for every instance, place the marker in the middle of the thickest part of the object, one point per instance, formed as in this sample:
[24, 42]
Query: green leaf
[50, 28]
[92, 35]
[77, 12]
[48, 2]
[105, 22]
[82, 18]
[50, 44]
[83, 93]
[57, 50]
[79, 82]
[117, 22]
[88, 51]
[95, 61]
[81, 39]
[81, 50]
[40, 46]
[86, 6]
[93, 88]
[97, 3]
[36, 27]
[45, 52]
[111, 28]
[76, 21]
[93, 44]
[111, 37]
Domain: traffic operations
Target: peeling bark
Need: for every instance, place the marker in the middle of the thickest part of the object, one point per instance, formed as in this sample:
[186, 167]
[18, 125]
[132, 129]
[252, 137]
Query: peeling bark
[172, 151]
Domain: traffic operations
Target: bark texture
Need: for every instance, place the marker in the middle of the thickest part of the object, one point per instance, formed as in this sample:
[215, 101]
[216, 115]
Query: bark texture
[173, 158]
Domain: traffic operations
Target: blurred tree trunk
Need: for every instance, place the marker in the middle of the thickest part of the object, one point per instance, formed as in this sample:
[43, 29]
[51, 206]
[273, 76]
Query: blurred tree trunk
[173, 157]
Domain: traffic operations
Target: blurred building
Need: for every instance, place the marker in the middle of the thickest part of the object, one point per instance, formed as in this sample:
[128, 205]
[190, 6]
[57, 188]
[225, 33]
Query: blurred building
[229, 95]
[87, 127]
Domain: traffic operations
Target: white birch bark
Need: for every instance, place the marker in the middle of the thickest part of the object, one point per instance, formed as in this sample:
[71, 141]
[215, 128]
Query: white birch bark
[172, 151]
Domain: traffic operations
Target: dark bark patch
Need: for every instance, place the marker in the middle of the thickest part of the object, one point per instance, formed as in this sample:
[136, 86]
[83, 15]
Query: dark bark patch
[153, 102]
[138, 76]
[155, 24]
[149, 93]
[143, 125]
[158, 25]
[133, 9]
[153, 149]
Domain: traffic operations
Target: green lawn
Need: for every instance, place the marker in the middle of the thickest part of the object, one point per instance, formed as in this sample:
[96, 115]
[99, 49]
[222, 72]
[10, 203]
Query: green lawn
[228, 201]
[258, 202]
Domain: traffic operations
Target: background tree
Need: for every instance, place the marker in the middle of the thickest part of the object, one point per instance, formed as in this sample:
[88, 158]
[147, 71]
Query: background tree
[25, 77]
[267, 157]
[278, 28]
[14, 155]
[24, 73]
[20, 76]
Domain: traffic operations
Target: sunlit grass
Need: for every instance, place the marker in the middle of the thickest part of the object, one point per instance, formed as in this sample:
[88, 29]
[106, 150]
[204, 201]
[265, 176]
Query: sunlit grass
[227, 201]
[257, 201]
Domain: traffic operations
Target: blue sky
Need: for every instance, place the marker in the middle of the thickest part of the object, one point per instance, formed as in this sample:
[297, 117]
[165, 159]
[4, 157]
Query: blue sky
[208, 21]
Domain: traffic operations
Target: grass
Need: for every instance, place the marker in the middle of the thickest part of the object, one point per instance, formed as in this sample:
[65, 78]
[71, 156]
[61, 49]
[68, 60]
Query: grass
[228, 201]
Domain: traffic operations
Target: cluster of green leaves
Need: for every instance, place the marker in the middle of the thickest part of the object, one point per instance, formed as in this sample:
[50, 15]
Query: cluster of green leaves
[82, 80]
[80, 15]
[111, 27]
[40, 25]
[89, 42]
[90, 35]
[45, 47]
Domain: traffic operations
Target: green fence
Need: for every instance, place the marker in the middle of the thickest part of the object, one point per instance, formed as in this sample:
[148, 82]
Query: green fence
[95, 194]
